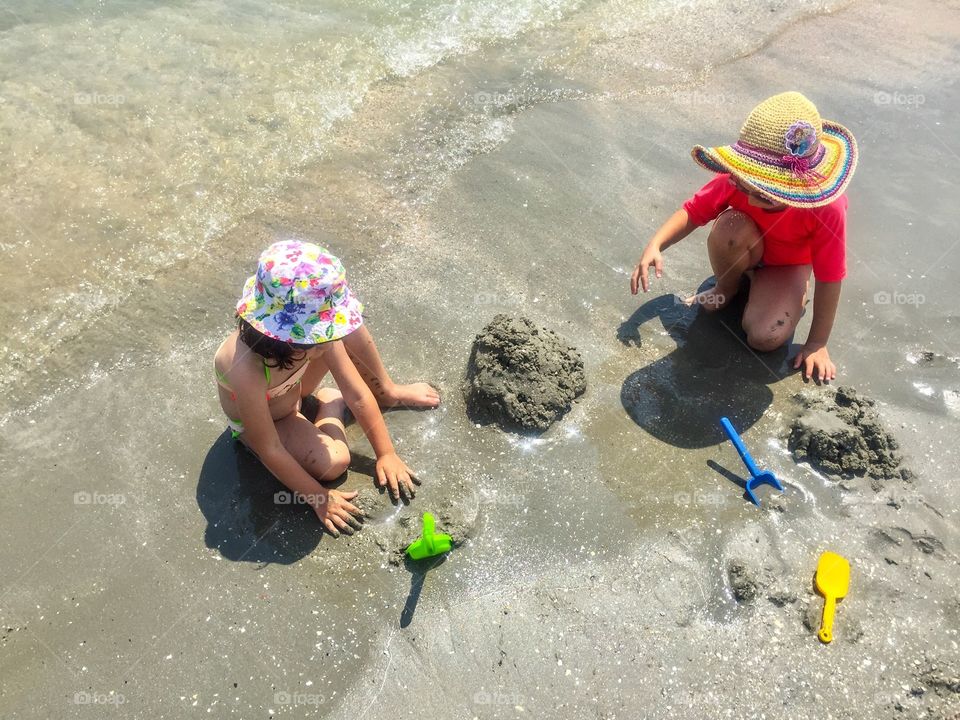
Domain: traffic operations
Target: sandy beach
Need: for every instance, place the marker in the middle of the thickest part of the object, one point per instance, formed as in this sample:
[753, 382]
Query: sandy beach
[609, 568]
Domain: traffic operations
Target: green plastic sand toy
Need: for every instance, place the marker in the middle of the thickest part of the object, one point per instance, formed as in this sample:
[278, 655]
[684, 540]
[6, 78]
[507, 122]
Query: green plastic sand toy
[430, 543]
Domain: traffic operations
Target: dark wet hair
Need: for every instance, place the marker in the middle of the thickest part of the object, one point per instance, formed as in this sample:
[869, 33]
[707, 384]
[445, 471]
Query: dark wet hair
[276, 353]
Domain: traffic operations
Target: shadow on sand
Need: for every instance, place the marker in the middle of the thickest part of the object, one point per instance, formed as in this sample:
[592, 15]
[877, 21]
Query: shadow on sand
[249, 513]
[418, 570]
[246, 522]
[247, 518]
[681, 397]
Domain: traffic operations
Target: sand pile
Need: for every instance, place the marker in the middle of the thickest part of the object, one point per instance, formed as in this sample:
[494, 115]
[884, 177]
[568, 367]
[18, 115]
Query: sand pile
[455, 518]
[840, 433]
[743, 584]
[521, 376]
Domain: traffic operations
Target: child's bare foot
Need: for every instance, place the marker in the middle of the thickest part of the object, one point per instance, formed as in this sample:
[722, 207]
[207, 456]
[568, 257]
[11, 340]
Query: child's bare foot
[414, 395]
[711, 300]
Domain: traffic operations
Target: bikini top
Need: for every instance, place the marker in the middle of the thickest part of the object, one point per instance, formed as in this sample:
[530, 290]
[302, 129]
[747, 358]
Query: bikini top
[272, 392]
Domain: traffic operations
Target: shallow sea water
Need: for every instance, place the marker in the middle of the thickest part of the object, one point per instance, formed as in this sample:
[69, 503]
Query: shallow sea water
[136, 135]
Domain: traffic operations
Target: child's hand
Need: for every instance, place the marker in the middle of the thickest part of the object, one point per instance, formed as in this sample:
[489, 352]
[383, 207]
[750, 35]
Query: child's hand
[393, 472]
[651, 256]
[816, 362]
[337, 513]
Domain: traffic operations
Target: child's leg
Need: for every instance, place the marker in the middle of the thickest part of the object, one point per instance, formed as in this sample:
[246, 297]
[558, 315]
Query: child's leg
[331, 408]
[777, 295]
[321, 447]
[734, 246]
[362, 350]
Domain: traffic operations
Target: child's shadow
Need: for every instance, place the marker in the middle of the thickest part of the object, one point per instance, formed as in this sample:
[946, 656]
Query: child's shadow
[681, 397]
[249, 513]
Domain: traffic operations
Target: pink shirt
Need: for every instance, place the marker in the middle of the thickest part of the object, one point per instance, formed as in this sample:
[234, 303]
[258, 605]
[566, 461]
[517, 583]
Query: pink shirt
[795, 236]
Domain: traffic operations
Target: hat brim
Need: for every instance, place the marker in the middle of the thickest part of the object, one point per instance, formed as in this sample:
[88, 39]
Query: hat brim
[781, 185]
[332, 322]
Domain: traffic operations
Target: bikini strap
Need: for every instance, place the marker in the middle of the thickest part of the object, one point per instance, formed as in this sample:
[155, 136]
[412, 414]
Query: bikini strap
[233, 395]
[266, 374]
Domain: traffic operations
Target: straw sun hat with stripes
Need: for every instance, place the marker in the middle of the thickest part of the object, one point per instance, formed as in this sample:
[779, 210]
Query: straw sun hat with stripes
[787, 153]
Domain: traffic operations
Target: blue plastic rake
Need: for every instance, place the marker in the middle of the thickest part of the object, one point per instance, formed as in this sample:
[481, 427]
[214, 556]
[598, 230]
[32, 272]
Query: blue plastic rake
[756, 476]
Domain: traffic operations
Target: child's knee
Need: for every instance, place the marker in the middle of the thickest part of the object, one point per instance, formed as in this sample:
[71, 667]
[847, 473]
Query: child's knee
[766, 337]
[734, 228]
[339, 460]
[765, 343]
[335, 463]
[328, 395]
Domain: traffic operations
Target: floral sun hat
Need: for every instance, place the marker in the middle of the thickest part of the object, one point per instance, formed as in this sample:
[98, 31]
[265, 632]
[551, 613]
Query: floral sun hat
[788, 153]
[300, 295]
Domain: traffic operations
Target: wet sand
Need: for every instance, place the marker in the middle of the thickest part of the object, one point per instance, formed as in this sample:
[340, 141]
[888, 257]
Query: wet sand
[149, 562]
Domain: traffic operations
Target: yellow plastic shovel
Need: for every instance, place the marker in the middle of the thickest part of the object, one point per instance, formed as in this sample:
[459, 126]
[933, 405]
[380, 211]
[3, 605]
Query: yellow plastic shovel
[833, 581]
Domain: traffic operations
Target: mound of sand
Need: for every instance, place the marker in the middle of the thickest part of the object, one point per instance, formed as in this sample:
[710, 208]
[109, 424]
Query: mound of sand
[840, 433]
[521, 376]
[455, 518]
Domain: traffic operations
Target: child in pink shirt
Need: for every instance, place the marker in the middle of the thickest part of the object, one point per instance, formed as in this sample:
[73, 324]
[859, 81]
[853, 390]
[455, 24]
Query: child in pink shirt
[780, 213]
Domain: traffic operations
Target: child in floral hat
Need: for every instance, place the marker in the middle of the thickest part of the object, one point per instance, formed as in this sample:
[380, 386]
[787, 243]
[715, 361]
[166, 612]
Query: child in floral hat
[296, 320]
[780, 213]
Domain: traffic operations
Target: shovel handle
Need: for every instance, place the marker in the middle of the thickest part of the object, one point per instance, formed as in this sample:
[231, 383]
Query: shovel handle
[826, 625]
[428, 525]
[741, 448]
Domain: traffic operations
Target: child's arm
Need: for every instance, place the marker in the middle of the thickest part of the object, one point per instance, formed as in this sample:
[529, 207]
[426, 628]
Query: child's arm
[391, 470]
[675, 229]
[260, 435]
[813, 355]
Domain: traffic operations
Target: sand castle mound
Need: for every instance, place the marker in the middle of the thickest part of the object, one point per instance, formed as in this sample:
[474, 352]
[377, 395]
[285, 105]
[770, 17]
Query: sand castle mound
[521, 376]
